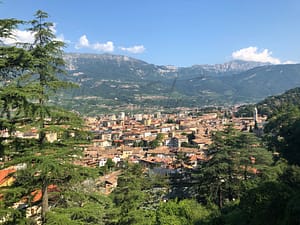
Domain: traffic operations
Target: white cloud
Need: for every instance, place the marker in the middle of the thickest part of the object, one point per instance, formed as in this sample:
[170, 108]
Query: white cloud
[61, 37]
[135, 49]
[19, 36]
[252, 54]
[105, 47]
[290, 62]
[24, 36]
[84, 43]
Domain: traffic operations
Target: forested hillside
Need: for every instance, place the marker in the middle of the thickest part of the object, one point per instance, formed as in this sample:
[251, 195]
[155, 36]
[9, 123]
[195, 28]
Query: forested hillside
[116, 81]
[272, 104]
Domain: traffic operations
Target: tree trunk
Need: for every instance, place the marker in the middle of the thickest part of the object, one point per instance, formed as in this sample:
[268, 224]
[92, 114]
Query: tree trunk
[220, 197]
[45, 206]
[245, 172]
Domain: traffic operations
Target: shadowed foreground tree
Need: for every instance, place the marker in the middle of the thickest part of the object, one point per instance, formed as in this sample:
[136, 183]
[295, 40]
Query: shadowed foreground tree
[185, 212]
[14, 62]
[236, 158]
[271, 203]
[137, 196]
[45, 162]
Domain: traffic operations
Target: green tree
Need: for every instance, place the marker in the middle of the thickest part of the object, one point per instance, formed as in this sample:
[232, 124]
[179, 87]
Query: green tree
[81, 206]
[185, 212]
[14, 61]
[282, 134]
[108, 167]
[268, 202]
[48, 63]
[191, 137]
[157, 141]
[236, 158]
[46, 163]
[137, 196]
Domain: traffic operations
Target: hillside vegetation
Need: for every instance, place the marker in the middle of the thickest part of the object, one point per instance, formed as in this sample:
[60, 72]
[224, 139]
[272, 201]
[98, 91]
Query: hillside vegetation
[272, 104]
[116, 81]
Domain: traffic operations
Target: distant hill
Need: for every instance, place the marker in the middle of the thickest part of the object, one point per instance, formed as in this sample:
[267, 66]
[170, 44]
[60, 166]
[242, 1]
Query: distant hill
[272, 104]
[276, 103]
[117, 82]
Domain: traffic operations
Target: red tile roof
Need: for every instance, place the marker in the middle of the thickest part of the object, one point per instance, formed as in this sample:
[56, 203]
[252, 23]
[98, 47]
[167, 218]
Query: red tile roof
[37, 194]
[4, 174]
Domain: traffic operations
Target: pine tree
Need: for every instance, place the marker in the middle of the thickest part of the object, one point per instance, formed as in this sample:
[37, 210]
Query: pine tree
[236, 157]
[52, 163]
[48, 64]
[24, 105]
[14, 60]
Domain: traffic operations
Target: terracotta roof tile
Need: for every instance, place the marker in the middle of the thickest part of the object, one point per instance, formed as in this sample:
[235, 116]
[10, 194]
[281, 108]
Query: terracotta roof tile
[5, 173]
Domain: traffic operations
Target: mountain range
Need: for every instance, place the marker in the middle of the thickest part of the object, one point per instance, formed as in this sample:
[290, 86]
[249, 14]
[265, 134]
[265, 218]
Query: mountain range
[109, 82]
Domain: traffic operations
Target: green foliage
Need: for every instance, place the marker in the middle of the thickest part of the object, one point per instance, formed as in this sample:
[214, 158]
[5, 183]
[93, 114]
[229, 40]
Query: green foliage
[283, 130]
[291, 177]
[185, 212]
[278, 103]
[191, 137]
[273, 202]
[36, 72]
[265, 204]
[236, 158]
[120, 81]
[108, 167]
[128, 195]
[157, 141]
[7, 25]
[137, 196]
[14, 60]
[245, 111]
[60, 219]
[81, 207]
[292, 211]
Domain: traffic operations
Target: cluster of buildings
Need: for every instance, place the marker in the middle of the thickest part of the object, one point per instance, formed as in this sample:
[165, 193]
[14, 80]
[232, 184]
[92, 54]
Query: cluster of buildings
[162, 143]
[130, 138]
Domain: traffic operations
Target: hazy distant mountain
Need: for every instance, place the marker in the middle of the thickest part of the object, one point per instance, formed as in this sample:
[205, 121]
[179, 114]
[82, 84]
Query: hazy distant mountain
[229, 68]
[250, 85]
[119, 79]
[114, 65]
[106, 66]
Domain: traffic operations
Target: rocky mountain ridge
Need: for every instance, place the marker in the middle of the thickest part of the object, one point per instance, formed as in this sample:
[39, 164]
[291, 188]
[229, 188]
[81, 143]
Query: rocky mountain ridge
[120, 80]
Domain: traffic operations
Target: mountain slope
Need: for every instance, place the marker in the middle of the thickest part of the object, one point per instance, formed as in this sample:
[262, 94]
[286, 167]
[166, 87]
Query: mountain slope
[120, 80]
[272, 104]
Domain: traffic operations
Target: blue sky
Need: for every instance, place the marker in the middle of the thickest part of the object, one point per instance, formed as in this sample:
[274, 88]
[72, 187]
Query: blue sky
[173, 32]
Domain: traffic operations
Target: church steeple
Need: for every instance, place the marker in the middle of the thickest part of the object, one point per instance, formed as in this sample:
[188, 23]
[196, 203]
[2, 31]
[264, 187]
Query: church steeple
[255, 115]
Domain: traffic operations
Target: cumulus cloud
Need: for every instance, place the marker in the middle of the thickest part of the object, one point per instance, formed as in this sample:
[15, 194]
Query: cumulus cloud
[252, 54]
[83, 42]
[134, 49]
[290, 62]
[19, 36]
[61, 37]
[24, 36]
[104, 47]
